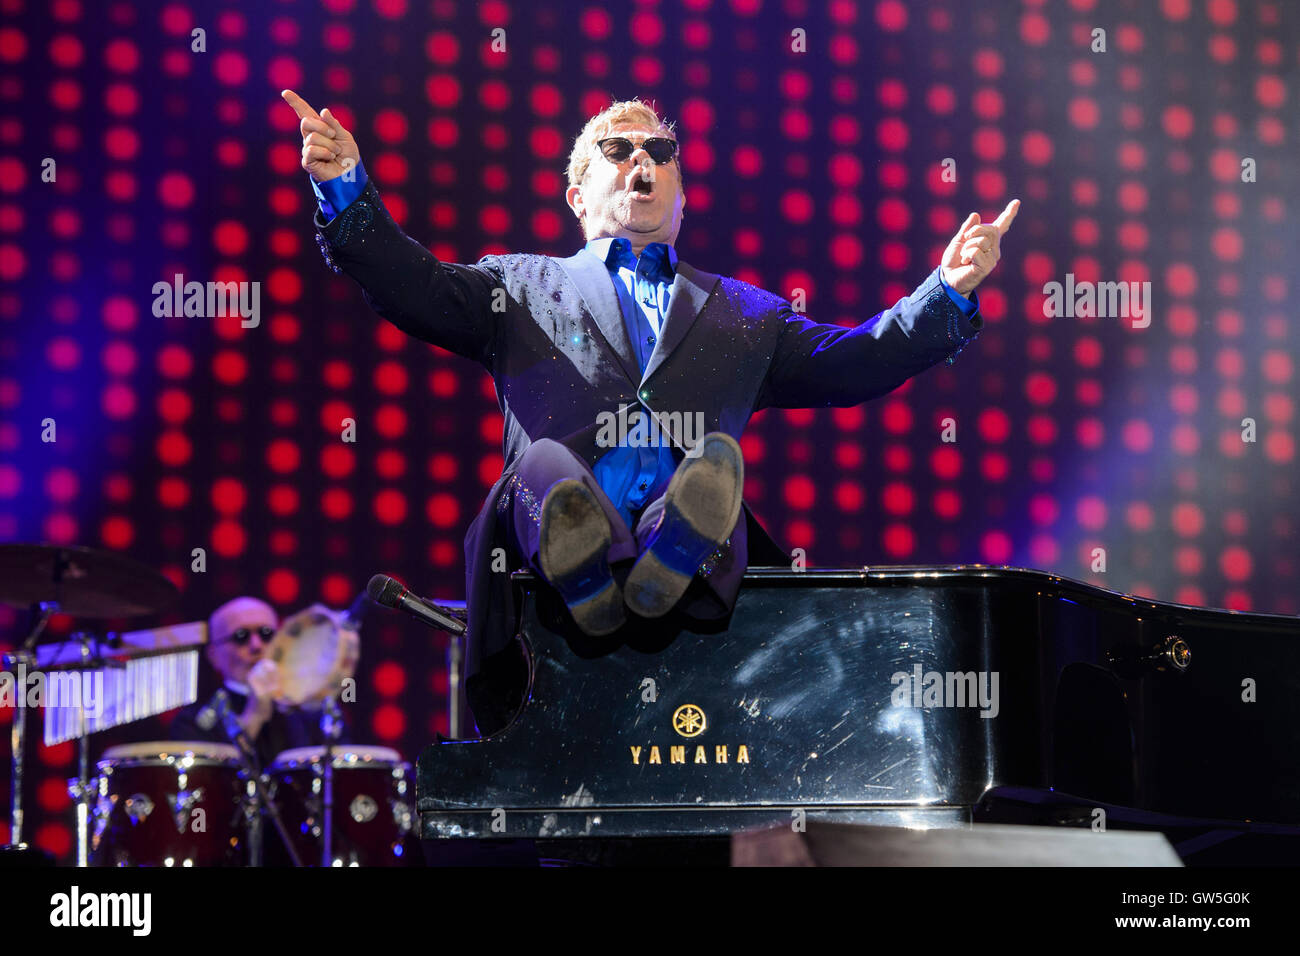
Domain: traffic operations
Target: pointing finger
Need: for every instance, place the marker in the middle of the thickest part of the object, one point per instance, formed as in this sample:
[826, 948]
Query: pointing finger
[300, 106]
[971, 222]
[1004, 221]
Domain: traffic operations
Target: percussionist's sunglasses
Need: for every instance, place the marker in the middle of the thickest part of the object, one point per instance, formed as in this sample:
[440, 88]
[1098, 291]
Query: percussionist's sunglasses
[619, 148]
[244, 635]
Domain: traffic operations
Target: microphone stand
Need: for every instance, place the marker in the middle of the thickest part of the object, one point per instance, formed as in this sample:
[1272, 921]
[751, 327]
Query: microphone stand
[331, 725]
[454, 656]
[262, 800]
[20, 660]
[81, 788]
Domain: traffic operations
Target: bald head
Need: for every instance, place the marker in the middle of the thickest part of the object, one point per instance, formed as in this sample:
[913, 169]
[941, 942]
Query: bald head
[232, 659]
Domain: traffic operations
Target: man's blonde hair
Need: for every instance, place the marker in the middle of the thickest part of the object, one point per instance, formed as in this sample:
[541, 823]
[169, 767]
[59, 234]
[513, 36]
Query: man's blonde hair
[598, 127]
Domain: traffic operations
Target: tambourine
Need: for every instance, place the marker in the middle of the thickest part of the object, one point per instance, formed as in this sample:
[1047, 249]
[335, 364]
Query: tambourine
[315, 650]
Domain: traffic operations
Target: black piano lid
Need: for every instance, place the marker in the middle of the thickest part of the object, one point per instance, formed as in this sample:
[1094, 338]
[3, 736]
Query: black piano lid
[818, 648]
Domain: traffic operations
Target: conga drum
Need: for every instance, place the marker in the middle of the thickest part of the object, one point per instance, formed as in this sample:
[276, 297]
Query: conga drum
[169, 803]
[372, 803]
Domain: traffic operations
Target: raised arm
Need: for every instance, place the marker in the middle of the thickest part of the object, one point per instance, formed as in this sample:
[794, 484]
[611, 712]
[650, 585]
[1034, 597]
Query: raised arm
[456, 307]
[815, 365]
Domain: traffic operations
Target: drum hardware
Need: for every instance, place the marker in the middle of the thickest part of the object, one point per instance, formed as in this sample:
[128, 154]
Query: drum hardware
[257, 794]
[363, 808]
[332, 727]
[317, 650]
[185, 801]
[138, 807]
[402, 816]
[133, 675]
[85, 583]
[80, 787]
[20, 662]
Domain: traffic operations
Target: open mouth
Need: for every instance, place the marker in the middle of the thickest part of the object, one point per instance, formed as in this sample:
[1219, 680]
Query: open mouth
[641, 187]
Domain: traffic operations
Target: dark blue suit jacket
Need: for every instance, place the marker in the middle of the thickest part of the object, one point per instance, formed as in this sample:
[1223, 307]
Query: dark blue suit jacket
[551, 334]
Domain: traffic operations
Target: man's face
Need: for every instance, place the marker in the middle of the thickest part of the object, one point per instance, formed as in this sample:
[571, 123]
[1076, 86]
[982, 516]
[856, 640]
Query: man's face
[610, 202]
[233, 659]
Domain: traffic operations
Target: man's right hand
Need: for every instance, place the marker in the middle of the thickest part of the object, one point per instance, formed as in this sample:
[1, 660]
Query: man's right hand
[264, 686]
[328, 150]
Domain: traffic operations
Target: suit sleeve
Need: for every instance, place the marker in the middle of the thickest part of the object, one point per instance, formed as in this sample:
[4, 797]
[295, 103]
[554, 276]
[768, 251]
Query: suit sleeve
[445, 304]
[815, 365]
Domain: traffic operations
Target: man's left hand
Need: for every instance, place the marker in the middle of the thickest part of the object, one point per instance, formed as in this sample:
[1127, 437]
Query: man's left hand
[975, 250]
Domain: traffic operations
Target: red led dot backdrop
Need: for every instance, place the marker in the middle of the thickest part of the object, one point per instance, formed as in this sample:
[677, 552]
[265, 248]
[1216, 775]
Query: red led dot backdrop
[830, 150]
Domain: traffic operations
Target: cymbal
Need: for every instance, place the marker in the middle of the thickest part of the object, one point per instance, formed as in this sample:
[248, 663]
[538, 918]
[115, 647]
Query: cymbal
[86, 582]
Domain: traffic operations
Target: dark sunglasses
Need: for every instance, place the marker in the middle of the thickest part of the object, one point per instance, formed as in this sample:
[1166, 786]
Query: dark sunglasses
[619, 148]
[244, 635]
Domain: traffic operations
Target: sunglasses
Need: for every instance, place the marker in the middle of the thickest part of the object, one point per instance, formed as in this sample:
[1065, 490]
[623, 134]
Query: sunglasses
[618, 148]
[244, 635]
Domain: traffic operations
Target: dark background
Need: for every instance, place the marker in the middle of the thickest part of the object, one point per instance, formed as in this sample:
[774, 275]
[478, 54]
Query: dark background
[818, 171]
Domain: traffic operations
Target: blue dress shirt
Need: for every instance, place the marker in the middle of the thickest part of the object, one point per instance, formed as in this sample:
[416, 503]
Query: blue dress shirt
[638, 472]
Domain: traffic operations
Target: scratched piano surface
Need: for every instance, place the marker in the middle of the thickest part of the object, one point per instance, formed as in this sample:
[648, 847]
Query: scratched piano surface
[900, 695]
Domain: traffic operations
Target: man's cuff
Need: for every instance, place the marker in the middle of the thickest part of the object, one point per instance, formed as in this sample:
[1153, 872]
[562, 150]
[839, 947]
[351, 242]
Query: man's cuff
[352, 225]
[968, 306]
[962, 315]
[335, 195]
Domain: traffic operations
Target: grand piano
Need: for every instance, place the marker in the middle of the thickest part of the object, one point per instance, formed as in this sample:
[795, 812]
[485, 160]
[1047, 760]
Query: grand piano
[893, 695]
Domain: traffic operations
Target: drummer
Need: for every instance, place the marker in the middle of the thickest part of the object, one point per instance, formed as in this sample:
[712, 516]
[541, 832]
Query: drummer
[239, 632]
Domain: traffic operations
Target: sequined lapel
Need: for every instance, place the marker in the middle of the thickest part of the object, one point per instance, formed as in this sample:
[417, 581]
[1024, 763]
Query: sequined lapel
[591, 276]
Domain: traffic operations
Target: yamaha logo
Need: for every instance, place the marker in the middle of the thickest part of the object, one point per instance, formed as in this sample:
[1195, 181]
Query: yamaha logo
[689, 721]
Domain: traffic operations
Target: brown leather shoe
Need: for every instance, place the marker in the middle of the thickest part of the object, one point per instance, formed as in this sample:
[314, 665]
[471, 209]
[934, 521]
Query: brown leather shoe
[701, 507]
[574, 544]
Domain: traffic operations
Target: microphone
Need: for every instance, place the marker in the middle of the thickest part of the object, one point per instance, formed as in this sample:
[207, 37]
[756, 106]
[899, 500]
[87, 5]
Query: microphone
[218, 709]
[207, 717]
[236, 733]
[392, 593]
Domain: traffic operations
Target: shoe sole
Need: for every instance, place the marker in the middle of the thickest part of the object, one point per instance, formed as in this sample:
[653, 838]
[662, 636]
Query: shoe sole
[574, 543]
[703, 499]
